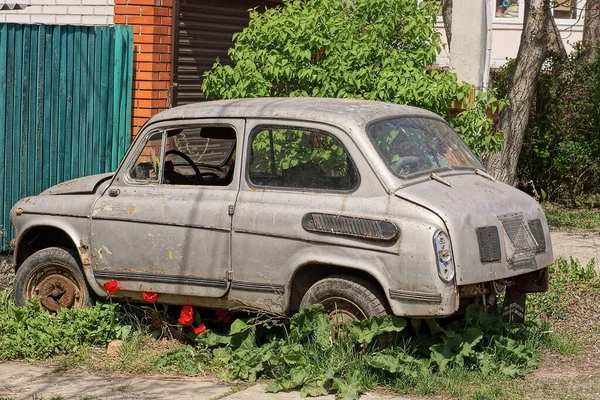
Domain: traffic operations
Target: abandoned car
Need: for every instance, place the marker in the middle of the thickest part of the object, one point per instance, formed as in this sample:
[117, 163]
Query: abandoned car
[366, 207]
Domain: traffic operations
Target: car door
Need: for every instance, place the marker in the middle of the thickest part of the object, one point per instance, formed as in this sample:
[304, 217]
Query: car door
[159, 227]
[295, 173]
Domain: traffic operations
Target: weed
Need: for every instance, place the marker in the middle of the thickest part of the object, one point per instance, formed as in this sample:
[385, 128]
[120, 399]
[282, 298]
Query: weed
[562, 344]
[31, 332]
[582, 220]
[567, 278]
[307, 359]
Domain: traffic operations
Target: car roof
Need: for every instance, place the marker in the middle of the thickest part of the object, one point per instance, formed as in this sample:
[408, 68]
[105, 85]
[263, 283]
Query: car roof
[344, 113]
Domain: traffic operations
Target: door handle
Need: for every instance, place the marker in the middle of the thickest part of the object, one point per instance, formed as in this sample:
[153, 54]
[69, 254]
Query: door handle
[113, 192]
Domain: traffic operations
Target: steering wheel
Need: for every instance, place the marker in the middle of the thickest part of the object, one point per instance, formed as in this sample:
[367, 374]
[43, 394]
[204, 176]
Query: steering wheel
[404, 161]
[189, 161]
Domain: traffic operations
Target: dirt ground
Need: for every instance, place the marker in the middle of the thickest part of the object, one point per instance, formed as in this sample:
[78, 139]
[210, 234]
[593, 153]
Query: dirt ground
[6, 271]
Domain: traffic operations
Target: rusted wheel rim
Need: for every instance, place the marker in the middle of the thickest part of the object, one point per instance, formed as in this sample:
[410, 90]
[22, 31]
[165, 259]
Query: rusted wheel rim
[342, 312]
[56, 287]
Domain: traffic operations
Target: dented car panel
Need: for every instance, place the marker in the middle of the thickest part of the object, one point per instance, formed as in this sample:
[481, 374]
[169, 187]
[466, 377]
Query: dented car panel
[493, 200]
[237, 224]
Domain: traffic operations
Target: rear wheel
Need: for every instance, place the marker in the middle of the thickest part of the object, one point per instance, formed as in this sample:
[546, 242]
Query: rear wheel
[348, 299]
[53, 275]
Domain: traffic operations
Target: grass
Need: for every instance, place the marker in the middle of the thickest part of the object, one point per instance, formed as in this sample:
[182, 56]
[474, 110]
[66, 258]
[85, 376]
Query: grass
[567, 339]
[577, 220]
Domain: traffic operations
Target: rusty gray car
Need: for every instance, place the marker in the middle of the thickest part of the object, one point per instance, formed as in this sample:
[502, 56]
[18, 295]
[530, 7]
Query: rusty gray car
[366, 207]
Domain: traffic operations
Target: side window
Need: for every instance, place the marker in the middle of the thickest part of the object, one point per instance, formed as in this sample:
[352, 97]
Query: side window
[147, 166]
[300, 158]
[200, 155]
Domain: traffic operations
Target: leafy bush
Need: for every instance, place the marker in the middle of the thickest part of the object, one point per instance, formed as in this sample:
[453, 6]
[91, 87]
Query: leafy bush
[362, 49]
[31, 332]
[303, 356]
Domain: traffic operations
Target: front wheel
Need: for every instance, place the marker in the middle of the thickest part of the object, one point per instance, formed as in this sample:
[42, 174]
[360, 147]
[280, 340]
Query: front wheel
[347, 299]
[53, 275]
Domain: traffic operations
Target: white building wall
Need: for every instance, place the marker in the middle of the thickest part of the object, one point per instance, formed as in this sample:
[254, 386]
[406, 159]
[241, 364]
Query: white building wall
[63, 12]
[506, 35]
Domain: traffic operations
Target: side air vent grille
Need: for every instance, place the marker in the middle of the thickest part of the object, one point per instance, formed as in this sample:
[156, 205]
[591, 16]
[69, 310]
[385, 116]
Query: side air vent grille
[350, 226]
[489, 244]
[535, 225]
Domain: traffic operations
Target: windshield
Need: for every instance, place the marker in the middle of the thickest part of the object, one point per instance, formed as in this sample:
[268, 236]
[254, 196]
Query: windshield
[414, 145]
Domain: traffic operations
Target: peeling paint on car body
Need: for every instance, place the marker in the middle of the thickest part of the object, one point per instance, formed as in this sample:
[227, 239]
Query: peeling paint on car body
[245, 246]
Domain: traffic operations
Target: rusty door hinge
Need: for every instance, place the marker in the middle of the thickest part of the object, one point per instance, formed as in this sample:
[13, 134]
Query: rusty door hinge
[231, 209]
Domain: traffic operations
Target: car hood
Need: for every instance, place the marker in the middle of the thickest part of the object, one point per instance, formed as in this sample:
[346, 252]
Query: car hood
[471, 202]
[84, 185]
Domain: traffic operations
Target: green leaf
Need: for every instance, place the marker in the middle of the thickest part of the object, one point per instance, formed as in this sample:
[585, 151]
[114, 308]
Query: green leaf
[366, 330]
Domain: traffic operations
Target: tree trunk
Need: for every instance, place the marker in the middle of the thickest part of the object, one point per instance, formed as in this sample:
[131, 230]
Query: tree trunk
[521, 89]
[555, 43]
[447, 17]
[591, 29]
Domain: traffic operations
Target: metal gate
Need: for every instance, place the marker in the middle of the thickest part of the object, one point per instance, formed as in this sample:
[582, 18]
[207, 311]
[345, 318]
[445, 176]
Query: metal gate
[203, 33]
[65, 106]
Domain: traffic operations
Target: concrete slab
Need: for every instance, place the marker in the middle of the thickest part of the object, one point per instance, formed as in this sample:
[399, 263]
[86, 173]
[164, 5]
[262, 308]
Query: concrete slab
[580, 246]
[258, 392]
[22, 381]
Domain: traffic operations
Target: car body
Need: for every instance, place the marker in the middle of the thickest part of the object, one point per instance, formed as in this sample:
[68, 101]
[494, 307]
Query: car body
[279, 194]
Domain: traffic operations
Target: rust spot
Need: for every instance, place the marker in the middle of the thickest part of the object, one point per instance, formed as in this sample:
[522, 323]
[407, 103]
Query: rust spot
[12, 243]
[19, 211]
[313, 261]
[27, 200]
[474, 290]
[57, 291]
[82, 247]
[69, 183]
[131, 210]
[86, 260]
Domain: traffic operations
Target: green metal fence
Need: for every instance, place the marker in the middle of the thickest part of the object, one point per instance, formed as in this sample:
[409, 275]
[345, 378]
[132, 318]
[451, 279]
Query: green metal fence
[65, 106]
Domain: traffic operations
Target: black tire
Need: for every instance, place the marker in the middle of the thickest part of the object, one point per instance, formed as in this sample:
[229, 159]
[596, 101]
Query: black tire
[53, 274]
[350, 297]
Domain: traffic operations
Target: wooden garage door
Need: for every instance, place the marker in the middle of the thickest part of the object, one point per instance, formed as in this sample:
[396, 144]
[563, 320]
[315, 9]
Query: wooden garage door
[204, 32]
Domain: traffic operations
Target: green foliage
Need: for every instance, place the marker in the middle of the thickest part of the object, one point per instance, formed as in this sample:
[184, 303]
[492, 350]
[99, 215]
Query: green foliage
[583, 219]
[307, 359]
[561, 152]
[475, 126]
[567, 279]
[362, 49]
[31, 332]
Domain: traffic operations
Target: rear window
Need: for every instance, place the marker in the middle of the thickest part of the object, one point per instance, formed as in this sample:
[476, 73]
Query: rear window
[414, 145]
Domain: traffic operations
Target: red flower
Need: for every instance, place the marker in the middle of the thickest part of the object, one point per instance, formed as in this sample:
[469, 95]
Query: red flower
[224, 316]
[187, 316]
[200, 329]
[111, 286]
[150, 297]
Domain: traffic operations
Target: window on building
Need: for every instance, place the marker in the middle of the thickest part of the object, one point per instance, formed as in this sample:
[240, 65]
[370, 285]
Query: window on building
[291, 157]
[507, 9]
[564, 9]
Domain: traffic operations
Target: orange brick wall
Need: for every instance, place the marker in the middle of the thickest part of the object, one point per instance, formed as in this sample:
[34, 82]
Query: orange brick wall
[152, 22]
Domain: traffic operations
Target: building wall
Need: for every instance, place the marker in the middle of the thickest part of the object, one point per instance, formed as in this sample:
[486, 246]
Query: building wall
[63, 12]
[152, 22]
[506, 32]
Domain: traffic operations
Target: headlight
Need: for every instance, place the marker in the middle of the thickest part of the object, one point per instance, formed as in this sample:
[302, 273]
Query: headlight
[443, 255]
